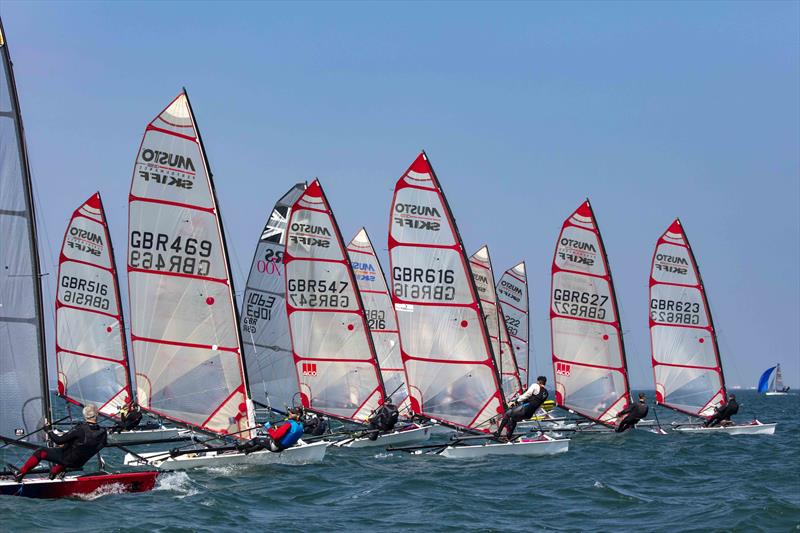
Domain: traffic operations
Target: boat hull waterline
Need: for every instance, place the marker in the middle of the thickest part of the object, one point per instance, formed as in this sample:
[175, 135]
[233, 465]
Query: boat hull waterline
[80, 485]
[756, 428]
[542, 446]
[296, 455]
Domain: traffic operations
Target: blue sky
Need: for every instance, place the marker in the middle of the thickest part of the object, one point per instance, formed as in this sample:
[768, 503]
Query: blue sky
[652, 110]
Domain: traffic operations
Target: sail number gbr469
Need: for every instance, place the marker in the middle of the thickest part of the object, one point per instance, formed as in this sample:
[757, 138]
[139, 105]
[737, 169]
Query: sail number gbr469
[179, 255]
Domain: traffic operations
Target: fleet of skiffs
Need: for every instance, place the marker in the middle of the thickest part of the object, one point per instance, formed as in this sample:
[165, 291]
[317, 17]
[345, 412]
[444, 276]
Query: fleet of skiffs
[318, 327]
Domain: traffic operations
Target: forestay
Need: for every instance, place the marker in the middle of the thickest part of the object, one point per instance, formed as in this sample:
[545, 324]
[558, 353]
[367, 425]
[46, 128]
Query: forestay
[91, 352]
[480, 264]
[335, 360]
[686, 362]
[381, 317]
[23, 365]
[588, 351]
[265, 327]
[512, 293]
[184, 329]
[452, 376]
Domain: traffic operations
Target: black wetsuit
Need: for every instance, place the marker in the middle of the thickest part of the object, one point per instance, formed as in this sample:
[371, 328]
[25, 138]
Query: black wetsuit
[522, 412]
[635, 412]
[724, 413]
[384, 419]
[130, 420]
[80, 444]
[315, 425]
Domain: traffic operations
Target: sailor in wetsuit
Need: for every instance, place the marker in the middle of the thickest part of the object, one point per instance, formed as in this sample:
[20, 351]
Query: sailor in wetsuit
[76, 446]
[523, 407]
[313, 424]
[383, 419]
[129, 417]
[633, 413]
[724, 413]
[279, 436]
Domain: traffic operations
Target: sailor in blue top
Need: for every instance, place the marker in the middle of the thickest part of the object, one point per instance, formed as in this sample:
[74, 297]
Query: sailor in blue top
[280, 436]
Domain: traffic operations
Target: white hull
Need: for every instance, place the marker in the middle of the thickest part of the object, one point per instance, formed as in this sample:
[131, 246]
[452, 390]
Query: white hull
[409, 436]
[144, 435]
[748, 429]
[296, 455]
[776, 393]
[545, 446]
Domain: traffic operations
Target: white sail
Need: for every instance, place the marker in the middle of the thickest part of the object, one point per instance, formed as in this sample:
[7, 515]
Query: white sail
[686, 362]
[482, 273]
[91, 352]
[512, 293]
[24, 403]
[381, 317]
[184, 330]
[335, 359]
[452, 376]
[265, 326]
[588, 351]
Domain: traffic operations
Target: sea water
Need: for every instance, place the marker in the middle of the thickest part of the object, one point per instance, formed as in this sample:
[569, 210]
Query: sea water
[636, 481]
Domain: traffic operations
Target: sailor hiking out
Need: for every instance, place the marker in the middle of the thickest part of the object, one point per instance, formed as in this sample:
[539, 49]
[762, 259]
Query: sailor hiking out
[75, 449]
[279, 437]
[523, 407]
[724, 413]
[383, 419]
[633, 414]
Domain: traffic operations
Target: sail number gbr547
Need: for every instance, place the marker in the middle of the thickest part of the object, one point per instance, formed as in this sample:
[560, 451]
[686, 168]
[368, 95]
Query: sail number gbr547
[316, 293]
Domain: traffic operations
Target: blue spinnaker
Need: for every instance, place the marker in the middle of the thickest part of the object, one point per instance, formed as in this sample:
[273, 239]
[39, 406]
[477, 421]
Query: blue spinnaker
[763, 382]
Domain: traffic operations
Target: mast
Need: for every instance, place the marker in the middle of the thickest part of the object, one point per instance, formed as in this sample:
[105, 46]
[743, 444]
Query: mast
[10, 213]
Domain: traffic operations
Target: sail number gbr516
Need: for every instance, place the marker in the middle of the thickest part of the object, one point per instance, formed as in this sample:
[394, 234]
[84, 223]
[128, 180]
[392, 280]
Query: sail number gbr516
[317, 293]
[181, 255]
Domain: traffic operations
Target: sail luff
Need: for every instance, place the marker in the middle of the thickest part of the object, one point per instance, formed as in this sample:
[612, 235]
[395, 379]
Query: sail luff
[91, 352]
[16, 201]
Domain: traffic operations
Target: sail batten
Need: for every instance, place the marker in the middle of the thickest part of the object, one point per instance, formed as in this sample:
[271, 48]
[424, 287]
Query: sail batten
[588, 349]
[184, 324]
[264, 325]
[23, 360]
[334, 356]
[451, 371]
[91, 352]
[685, 356]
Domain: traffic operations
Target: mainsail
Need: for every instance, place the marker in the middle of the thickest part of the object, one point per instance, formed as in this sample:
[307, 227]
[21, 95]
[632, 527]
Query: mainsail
[335, 359]
[265, 326]
[480, 264]
[381, 317]
[184, 331]
[686, 363]
[25, 401]
[512, 293]
[452, 375]
[91, 354]
[588, 351]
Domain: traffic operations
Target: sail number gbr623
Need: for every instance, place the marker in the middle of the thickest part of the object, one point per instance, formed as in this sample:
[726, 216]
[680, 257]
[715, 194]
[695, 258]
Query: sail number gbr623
[180, 255]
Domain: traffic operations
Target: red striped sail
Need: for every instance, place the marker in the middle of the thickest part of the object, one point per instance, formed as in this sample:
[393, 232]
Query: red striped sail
[588, 351]
[686, 361]
[335, 359]
[91, 352]
[184, 327]
[452, 376]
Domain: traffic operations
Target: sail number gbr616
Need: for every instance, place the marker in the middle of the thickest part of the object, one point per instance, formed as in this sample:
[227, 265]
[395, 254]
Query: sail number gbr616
[181, 255]
[424, 283]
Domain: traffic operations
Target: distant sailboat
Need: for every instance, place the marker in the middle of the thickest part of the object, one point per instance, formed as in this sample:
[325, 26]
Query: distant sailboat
[512, 293]
[775, 386]
[686, 360]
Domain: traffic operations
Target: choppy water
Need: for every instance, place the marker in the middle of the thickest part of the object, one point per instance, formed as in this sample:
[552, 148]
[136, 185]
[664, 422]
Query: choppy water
[637, 481]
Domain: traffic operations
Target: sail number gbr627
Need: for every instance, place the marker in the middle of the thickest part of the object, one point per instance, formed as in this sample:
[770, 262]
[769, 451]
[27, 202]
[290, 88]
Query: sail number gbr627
[181, 255]
[579, 304]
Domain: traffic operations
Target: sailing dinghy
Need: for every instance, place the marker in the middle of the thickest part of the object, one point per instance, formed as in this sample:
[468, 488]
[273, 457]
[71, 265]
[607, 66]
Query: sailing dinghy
[24, 392]
[91, 352]
[774, 386]
[685, 355]
[184, 323]
[265, 326]
[382, 323]
[591, 377]
[452, 375]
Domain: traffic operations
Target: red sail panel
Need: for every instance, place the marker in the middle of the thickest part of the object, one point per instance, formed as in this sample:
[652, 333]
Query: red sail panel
[381, 317]
[452, 376]
[588, 350]
[686, 361]
[336, 364]
[184, 328]
[512, 293]
[91, 352]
